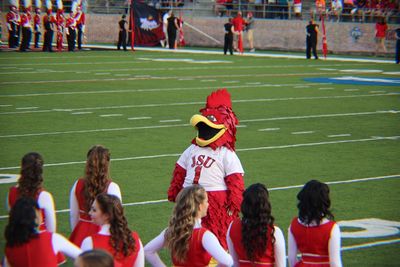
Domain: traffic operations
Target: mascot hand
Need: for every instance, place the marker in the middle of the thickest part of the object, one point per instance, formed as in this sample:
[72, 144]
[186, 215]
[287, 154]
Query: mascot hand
[176, 185]
[234, 183]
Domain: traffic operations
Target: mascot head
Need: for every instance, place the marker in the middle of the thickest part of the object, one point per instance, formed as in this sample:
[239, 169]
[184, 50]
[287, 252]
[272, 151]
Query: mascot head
[216, 125]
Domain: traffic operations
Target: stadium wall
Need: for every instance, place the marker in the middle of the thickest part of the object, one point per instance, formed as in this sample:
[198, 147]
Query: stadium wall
[285, 35]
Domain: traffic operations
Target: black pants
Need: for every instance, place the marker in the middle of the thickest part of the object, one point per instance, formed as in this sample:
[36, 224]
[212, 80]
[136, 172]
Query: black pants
[228, 44]
[311, 45]
[171, 38]
[71, 39]
[80, 35]
[121, 40]
[397, 51]
[48, 40]
[11, 39]
[37, 37]
[26, 38]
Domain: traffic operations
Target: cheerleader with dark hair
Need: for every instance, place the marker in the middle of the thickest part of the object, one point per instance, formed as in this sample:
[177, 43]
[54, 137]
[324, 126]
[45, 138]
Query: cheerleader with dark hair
[313, 233]
[254, 240]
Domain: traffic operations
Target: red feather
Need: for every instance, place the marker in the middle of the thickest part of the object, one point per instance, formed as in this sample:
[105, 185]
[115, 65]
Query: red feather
[221, 97]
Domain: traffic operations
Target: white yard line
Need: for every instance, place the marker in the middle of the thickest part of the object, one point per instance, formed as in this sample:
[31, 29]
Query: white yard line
[338, 135]
[184, 125]
[373, 139]
[27, 108]
[303, 132]
[176, 120]
[110, 115]
[199, 103]
[269, 129]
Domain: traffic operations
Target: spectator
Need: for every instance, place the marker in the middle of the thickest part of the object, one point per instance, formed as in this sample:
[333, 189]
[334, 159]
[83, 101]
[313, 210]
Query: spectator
[228, 39]
[229, 7]
[219, 7]
[96, 180]
[311, 39]
[336, 9]
[30, 184]
[254, 240]
[189, 243]
[122, 33]
[115, 237]
[238, 26]
[172, 27]
[297, 8]
[26, 245]
[397, 36]
[380, 35]
[314, 233]
[250, 30]
[94, 258]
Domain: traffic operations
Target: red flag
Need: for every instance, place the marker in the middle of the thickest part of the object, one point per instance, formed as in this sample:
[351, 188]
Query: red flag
[181, 37]
[324, 42]
[240, 43]
[132, 25]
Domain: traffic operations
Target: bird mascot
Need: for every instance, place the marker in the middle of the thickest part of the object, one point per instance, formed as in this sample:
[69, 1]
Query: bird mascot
[211, 162]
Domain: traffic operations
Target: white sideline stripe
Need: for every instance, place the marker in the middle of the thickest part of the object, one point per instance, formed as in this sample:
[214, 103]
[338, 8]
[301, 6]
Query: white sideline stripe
[270, 189]
[182, 125]
[377, 138]
[197, 103]
[371, 244]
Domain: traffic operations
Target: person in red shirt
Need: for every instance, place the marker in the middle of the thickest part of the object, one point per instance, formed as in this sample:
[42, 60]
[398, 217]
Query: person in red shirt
[254, 240]
[26, 27]
[12, 19]
[26, 245]
[190, 244]
[115, 237]
[313, 233]
[238, 26]
[380, 35]
[80, 24]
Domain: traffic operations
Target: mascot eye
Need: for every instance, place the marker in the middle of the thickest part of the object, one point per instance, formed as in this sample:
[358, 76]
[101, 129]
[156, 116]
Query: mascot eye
[211, 118]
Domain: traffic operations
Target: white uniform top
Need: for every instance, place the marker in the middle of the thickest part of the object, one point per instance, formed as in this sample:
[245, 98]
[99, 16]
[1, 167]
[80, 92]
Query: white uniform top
[113, 189]
[279, 248]
[60, 244]
[45, 202]
[209, 167]
[87, 244]
[210, 244]
[333, 246]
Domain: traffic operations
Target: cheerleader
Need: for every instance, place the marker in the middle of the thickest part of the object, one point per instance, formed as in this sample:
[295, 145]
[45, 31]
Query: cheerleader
[30, 184]
[84, 191]
[313, 233]
[114, 236]
[26, 245]
[254, 240]
[189, 243]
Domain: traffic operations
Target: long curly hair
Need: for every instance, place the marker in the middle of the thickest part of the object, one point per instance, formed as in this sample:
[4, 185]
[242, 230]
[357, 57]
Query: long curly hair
[22, 224]
[121, 236]
[181, 224]
[256, 220]
[314, 202]
[97, 176]
[31, 180]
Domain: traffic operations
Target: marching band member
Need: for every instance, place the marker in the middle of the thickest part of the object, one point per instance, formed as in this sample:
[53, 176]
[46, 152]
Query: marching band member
[80, 23]
[60, 25]
[49, 25]
[13, 24]
[70, 31]
[26, 24]
[115, 236]
[36, 22]
[95, 181]
[26, 245]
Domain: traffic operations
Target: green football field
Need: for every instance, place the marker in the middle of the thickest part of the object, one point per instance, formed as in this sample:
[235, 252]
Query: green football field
[139, 105]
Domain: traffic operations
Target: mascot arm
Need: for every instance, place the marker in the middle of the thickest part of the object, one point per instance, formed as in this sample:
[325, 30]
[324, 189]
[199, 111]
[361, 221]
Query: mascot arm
[235, 185]
[176, 185]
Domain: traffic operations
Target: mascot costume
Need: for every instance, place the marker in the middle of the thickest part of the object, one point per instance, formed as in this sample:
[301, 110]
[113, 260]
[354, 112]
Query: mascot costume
[211, 162]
